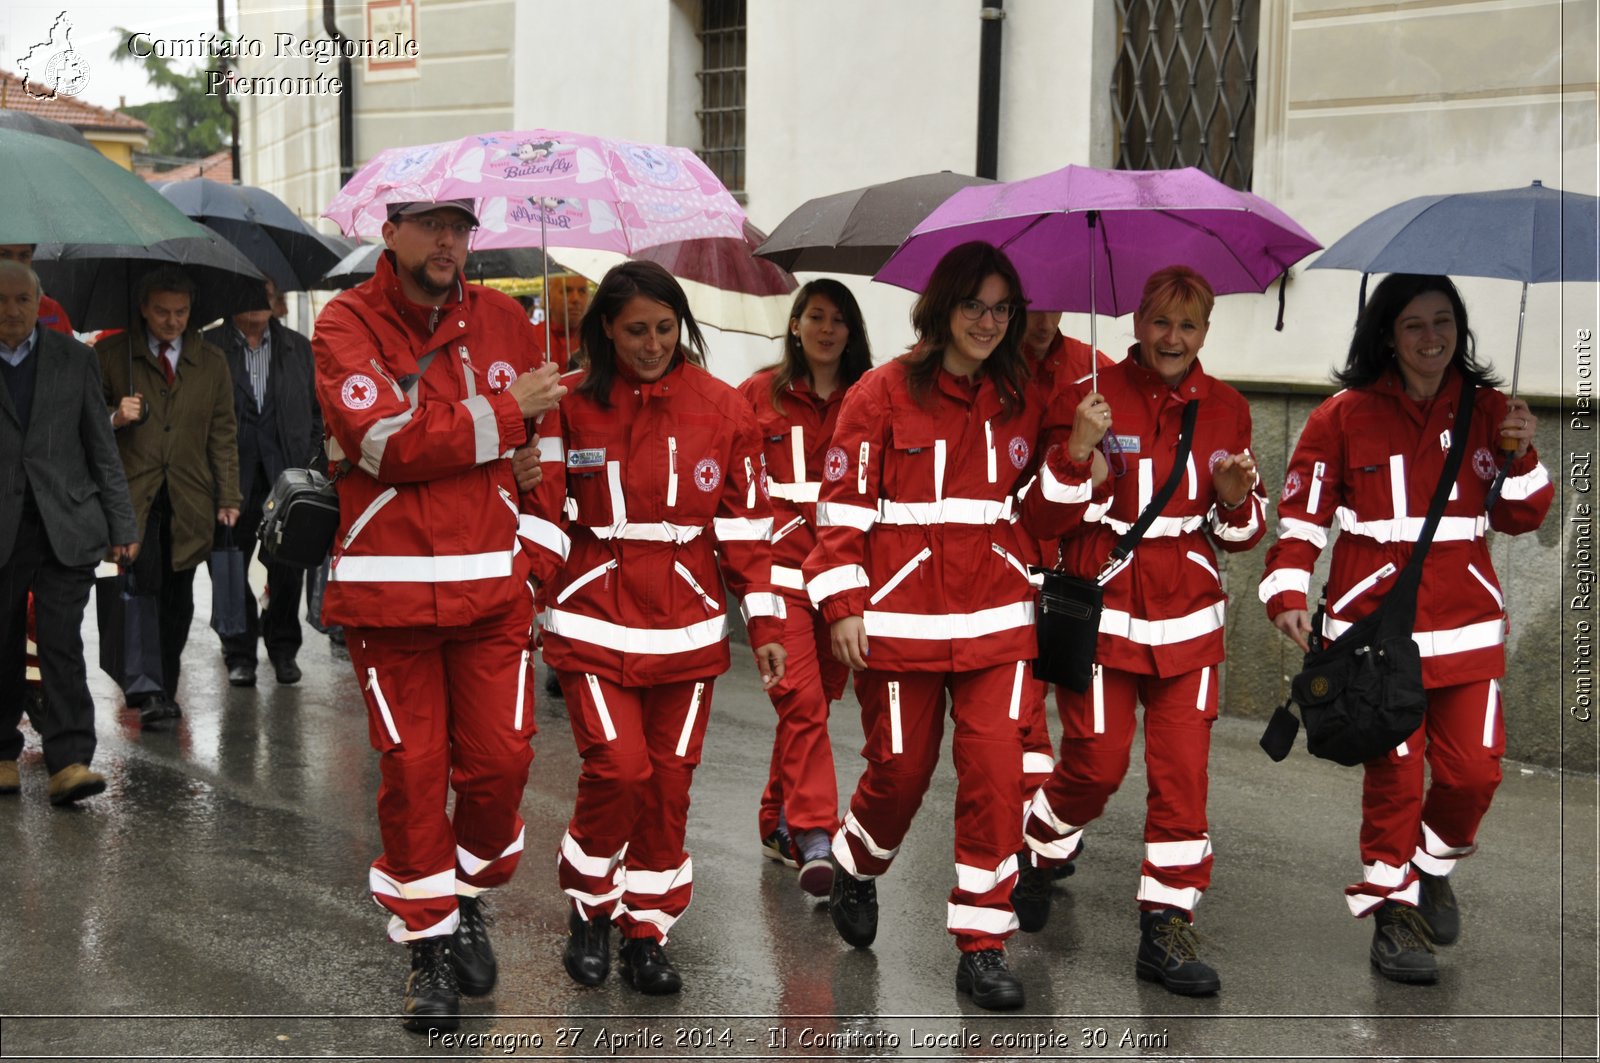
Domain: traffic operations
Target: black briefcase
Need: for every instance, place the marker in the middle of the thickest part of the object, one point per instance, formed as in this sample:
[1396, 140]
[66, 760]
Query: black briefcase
[300, 519]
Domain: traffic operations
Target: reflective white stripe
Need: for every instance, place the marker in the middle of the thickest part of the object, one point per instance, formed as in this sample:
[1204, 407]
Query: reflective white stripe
[588, 577]
[1036, 763]
[1362, 903]
[1480, 636]
[657, 532]
[1283, 580]
[471, 863]
[586, 901]
[922, 626]
[683, 741]
[980, 920]
[598, 696]
[1022, 570]
[1161, 527]
[623, 639]
[1065, 849]
[551, 449]
[543, 533]
[398, 933]
[1451, 529]
[1162, 632]
[485, 429]
[742, 529]
[1205, 688]
[1490, 710]
[383, 705]
[1433, 845]
[988, 432]
[1039, 808]
[1016, 691]
[1237, 533]
[941, 455]
[672, 471]
[861, 468]
[694, 584]
[1177, 854]
[1520, 488]
[1402, 750]
[787, 528]
[845, 515]
[797, 458]
[806, 492]
[1493, 592]
[1146, 482]
[399, 568]
[1315, 496]
[1200, 559]
[896, 746]
[836, 581]
[895, 580]
[1388, 876]
[1361, 588]
[853, 826]
[1432, 865]
[442, 884]
[383, 499]
[619, 502]
[762, 603]
[1063, 493]
[788, 578]
[522, 692]
[590, 866]
[376, 440]
[656, 883]
[947, 511]
[1304, 530]
[1097, 685]
[654, 916]
[1397, 485]
[1189, 474]
[970, 879]
[1158, 893]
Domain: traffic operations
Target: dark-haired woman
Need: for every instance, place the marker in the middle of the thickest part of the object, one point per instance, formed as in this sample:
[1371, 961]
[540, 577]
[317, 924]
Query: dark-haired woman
[796, 404]
[1160, 638]
[921, 573]
[656, 465]
[1370, 458]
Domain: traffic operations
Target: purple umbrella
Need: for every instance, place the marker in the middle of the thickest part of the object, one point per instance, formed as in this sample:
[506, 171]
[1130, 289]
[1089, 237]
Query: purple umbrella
[1127, 223]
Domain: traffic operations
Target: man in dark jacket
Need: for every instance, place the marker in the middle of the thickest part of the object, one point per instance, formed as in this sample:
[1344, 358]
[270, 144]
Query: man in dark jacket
[280, 427]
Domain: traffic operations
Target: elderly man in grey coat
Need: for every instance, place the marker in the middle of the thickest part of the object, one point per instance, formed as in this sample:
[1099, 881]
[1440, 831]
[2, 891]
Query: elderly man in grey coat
[63, 504]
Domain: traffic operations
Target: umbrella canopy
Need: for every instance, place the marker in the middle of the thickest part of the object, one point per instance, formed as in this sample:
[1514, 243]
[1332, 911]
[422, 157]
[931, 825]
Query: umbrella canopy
[1085, 239]
[97, 284]
[44, 127]
[55, 192]
[361, 263]
[260, 225]
[856, 231]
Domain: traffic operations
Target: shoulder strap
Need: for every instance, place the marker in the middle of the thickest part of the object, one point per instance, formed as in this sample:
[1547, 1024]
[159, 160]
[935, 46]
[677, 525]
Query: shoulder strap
[1130, 538]
[1411, 576]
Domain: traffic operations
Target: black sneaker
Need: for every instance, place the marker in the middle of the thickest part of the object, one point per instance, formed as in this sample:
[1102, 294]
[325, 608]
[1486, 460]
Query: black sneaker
[1438, 908]
[552, 686]
[1401, 950]
[853, 904]
[985, 976]
[470, 950]
[1030, 896]
[433, 999]
[816, 862]
[588, 954]
[1169, 953]
[780, 847]
[645, 967]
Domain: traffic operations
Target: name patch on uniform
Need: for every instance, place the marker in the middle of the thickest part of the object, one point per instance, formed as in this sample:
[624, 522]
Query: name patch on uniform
[1125, 444]
[592, 458]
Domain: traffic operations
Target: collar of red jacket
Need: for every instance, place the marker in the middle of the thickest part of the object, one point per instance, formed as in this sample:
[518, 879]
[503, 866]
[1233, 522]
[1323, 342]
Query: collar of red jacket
[1196, 384]
[420, 320]
[646, 390]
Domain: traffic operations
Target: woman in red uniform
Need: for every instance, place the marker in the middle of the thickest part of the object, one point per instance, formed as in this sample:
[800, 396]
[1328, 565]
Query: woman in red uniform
[920, 571]
[796, 403]
[656, 465]
[1161, 629]
[1370, 458]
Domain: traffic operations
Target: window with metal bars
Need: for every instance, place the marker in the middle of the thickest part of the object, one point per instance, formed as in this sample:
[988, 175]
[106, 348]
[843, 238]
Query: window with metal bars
[721, 110]
[1184, 87]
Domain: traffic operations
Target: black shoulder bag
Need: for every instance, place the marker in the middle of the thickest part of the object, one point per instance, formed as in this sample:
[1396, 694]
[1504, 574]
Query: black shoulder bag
[1361, 695]
[1067, 620]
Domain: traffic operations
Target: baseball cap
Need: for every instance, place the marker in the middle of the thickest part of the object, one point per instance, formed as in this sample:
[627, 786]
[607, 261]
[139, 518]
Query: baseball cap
[409, 209]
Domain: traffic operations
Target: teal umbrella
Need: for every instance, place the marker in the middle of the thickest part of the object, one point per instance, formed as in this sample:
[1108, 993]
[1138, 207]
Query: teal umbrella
[57, 192]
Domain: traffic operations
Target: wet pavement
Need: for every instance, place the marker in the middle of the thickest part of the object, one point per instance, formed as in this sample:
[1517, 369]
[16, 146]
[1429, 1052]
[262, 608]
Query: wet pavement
[213, 904]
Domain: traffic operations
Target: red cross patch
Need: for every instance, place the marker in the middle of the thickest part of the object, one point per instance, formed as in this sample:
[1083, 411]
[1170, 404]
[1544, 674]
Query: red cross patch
[500, 376]
[1217, 458]
[1018, 450]
[1291, 486]
[358, 391]
[1484, 465]
[835, 464]
[707, 474]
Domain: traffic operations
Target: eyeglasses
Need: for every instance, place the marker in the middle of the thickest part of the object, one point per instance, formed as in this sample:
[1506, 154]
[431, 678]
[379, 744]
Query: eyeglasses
[434, 226]
[973, 309]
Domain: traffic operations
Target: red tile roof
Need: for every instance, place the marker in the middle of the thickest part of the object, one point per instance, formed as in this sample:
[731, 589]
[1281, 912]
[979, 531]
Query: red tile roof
[218, 167]
[85, 117]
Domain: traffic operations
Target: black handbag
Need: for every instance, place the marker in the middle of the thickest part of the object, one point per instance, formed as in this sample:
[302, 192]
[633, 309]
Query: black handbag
[1067, 616]
[230, 585]
[1361, 695]
[130, 634]
[300, 518]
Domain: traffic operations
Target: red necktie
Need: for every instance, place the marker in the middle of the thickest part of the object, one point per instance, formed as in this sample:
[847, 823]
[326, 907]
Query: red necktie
[166, 366]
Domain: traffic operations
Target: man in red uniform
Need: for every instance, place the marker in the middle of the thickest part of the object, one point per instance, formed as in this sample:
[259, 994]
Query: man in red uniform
[426, 384]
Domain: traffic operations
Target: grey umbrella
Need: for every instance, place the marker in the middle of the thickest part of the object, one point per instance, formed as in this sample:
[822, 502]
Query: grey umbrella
[272, 236]
[44, 127]
[857, 231]
[96, 283]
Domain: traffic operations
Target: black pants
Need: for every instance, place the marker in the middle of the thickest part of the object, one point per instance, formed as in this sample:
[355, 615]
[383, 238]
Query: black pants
[65, 721]
[279, 626]
[175, 590]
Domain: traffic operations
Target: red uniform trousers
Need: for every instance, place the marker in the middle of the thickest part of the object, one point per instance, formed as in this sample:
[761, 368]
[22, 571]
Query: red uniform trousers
[801, 782]
[623, 853]
[1097, 729]
[904, 714]
[1462, 737]
[446, 707]
[1038, 751]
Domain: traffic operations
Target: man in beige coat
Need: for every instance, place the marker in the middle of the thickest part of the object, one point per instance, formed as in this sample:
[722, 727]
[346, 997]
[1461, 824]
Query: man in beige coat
[171, 400]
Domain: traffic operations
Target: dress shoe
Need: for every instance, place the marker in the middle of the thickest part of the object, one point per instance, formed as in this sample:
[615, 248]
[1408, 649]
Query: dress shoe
[433, 999]
[75, 782]
[588, 954]
[1401, 950]
[986, 977]
[1438, 909]
[241, 675]
[286, 671]
[156, 708]
[645, 967]
[470, 950]
[853, 904]
[1169, 953]
[10, 779]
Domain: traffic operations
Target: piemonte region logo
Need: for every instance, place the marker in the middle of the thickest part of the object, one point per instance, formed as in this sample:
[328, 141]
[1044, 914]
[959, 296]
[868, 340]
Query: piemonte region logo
[52, 68]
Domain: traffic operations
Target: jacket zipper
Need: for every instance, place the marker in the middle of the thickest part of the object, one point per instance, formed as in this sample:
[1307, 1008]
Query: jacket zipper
[383, 705]
[366, 515]
[1499, 601]
[787, 528]
[705, 599]
[505, 496]
[1012, 561]
[1361, 588]
[905, 570]
[588, 577]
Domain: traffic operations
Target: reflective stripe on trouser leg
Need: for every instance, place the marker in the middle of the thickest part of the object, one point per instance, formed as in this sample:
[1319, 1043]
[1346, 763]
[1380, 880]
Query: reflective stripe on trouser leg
[802, 768]
[1097, 729]
[987, 750]
[1038, 752]
[1178, 714]
[612, 785]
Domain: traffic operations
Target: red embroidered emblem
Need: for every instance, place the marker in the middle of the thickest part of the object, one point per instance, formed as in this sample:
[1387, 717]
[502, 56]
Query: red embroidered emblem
[1018, 449]
[1484, 465]
[1291, 486]
[835, 464]
[500, 376]
[707, 474]
[358, 391]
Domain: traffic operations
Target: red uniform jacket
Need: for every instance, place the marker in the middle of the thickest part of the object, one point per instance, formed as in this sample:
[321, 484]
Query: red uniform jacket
[917, 527]
[1370, 459]
[53, 316]
[429, 517]
[1066, 361]
[661, 490]
[1164, 609]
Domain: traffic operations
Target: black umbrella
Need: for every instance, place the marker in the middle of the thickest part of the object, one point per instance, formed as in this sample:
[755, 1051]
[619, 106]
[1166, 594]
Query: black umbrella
[44, 127]
[361, 263]
[280, 244]
[98, 284]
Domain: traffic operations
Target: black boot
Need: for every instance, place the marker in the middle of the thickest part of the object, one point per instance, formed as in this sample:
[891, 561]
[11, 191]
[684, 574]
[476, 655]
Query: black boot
[1030, 895]
[853, 904]
[588, 954]
[645, 967]
[470, 950]
[985, 976]
[1401, 950]
[1169, 953]
[1438, 908]
[433, 1000]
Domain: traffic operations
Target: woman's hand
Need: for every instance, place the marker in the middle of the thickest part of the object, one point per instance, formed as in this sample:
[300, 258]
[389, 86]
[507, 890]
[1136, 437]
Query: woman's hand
[1296, 623]
[849, 637]
[525, 465]
[769, 659]
[1517, 430]
[1090, 422]
[1232, 478]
